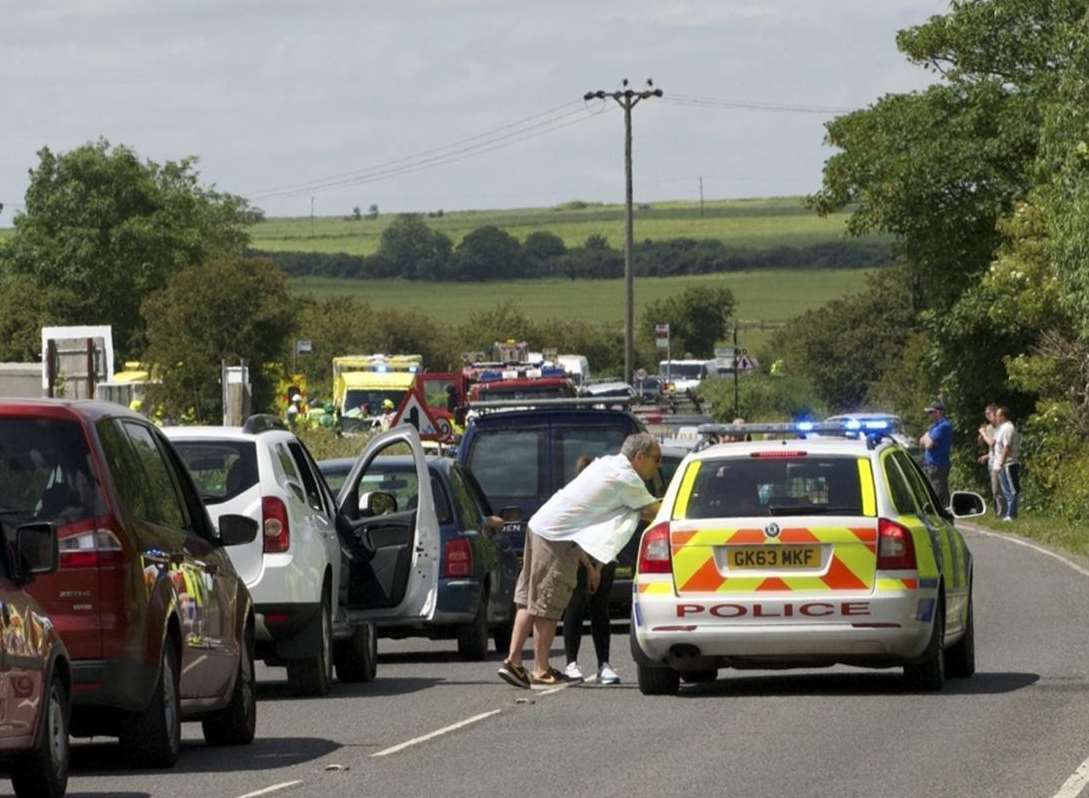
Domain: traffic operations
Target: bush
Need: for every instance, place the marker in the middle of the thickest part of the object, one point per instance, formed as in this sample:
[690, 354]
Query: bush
[762, 398]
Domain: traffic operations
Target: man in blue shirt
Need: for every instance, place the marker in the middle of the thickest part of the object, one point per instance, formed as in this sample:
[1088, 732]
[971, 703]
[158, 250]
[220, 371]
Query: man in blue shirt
[938, 443]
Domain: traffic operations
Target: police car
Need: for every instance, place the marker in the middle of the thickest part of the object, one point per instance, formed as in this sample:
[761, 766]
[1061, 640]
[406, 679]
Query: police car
[803, 552]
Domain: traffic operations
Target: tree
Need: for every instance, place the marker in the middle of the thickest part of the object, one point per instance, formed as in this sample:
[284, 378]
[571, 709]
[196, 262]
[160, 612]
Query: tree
[488, 253]
[372, 211]
[25, 307]
[698, 318]
[228, 309]
[357, 213]
[543, 245]
[110, 228]
[415, 250]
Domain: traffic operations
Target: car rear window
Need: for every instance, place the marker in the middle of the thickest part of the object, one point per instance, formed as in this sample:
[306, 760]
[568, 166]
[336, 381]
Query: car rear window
[738, 487]
[507, 463]
[590, 441]
[46, 472]
[221, 470]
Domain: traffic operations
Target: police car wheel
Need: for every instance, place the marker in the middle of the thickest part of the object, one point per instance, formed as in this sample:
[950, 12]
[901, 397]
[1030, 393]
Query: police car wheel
[929, 672]
[960, 658]
[657, 681]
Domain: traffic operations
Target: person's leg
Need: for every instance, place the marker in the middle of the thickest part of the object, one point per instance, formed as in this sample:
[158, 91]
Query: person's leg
[523, 618]
[572, 618]
[523, 622]
[599, 613]
[1013, 477]
[1007, 490]
[996, 493]
[544, 632]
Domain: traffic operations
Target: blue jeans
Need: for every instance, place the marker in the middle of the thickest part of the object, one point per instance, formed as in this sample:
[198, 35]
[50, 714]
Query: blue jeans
[1010, 480]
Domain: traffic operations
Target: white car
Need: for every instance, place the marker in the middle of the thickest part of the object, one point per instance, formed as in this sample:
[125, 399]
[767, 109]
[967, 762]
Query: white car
[685, 375]
[293, 569]
[803, 553]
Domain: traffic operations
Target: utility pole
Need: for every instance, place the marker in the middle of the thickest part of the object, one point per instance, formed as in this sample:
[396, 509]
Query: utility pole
[701, 196]
[627, 99]
[311, 216]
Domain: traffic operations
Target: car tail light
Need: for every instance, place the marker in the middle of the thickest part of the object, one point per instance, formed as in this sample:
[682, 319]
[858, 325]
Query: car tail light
[457, 558]
[895, 548]
[275, 528]
[89, 544]
[654, 552]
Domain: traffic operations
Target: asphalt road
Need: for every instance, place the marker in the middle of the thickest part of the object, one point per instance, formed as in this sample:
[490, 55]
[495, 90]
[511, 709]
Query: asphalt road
[1020, 727]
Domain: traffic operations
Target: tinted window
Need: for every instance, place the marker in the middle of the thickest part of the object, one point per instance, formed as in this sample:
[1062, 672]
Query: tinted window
[128, 477]
[221, 469]
[591, 441]
[736, 487]
[468, 511]
[475, 489]
[46, 472]
[335, 475]
[400, 480]
[898, 487]
[310, 483]
[669, 466]
[508, 462]
[163, 504]
[920, 485]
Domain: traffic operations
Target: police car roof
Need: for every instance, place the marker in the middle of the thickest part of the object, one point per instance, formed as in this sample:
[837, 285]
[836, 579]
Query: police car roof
[811, 445]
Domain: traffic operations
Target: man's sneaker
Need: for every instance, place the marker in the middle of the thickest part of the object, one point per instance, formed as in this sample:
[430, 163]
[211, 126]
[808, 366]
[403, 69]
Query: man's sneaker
[514, 675]
[572, 671]
[553, 678]
[606, 674]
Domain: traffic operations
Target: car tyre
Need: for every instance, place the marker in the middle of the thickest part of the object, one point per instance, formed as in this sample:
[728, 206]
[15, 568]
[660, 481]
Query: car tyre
[357, 657]
[236, 723]
[473, 636]
[960, 658]
[43, 772]
[657, 681]
[312, 676]
[152, 738]
[929, 672]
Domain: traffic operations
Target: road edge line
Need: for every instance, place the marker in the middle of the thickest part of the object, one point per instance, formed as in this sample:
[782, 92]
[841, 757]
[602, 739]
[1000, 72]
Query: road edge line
[438, 732]
[282, 786]
[1028, 545]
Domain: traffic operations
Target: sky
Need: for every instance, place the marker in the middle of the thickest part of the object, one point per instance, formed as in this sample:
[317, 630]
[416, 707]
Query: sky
[419, 105]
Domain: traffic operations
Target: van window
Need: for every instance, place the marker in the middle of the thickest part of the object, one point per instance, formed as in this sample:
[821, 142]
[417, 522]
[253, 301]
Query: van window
[594, 442]
[508, 463]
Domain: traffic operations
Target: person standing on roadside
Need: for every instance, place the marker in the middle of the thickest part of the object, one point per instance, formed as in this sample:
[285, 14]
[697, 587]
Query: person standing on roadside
[938, 444]
[588, 521]
[1006, 462]
[987, 435]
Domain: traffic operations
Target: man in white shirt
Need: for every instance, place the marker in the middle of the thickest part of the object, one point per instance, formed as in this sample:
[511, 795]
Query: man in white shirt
[1006, 461]
[589, 521]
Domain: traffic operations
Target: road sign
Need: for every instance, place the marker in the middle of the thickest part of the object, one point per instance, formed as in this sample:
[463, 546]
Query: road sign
[661, 336]
[303, 346]
[640, 375]
[413, 410]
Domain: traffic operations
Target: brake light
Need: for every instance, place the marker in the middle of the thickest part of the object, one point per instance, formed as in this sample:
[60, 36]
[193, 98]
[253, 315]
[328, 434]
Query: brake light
[655, 556]
[457, 558]
[779, 453]
[895, 547]
[89, 544]
[275, 527]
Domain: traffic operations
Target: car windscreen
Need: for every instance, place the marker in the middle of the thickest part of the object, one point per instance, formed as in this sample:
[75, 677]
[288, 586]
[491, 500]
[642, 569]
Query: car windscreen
[689, 371]
[508, 463]
[592, 442]
[739, 487]
[46, 473]
[221, 470]
[369, 402]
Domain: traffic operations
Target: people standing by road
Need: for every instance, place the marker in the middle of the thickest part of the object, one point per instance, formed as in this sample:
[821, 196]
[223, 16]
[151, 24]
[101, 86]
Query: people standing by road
[389, 415]
[295, 411]
[938, 445]
[587, 521]
[987, 435]
[1007, 462]
[598, 603]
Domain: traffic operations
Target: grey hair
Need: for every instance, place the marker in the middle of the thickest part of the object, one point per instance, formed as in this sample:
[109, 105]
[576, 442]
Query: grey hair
[639, 443]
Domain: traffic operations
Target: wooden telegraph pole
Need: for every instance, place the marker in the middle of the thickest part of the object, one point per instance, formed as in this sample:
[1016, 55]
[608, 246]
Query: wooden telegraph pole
[627, 99]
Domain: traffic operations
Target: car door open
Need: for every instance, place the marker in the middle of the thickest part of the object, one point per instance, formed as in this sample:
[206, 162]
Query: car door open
[389, 532]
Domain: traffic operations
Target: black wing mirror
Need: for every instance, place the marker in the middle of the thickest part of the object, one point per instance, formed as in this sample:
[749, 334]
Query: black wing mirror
[234, 530]
[967, 504]
[35, 551]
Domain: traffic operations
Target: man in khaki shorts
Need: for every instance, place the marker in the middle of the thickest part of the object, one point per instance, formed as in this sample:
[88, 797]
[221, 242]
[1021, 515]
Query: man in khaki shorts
[588, 521]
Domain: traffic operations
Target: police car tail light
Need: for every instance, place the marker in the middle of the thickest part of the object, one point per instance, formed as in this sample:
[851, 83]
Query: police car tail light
[457, 558]
[275, 527]
[895, 548]
[654, 553]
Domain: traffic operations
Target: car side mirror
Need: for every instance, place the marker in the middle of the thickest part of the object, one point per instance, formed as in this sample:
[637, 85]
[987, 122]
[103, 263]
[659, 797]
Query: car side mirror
[234, 530]
[967, 504]
[376, 502]
[511, 515]
[35, 551]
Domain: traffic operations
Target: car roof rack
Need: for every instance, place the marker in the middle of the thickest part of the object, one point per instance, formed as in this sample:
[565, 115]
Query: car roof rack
[873, 430]
[534, 404]
[263, 422]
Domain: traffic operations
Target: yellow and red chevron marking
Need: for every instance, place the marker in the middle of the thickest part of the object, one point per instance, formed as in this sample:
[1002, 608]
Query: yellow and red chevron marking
[852, 565]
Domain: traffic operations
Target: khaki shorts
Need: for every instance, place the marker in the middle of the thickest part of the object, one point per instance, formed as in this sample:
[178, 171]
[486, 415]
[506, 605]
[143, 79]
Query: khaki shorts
[549, 574]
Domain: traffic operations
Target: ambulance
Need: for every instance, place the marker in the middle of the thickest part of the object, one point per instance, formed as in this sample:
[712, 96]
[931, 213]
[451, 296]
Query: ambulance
[805, 550]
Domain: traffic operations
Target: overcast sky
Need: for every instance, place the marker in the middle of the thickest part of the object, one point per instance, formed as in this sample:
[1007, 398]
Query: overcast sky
[271, 94]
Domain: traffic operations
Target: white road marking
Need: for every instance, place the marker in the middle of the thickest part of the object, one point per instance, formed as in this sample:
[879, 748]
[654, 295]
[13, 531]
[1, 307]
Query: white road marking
[434, 734]
[1074, 785]
[273, 788]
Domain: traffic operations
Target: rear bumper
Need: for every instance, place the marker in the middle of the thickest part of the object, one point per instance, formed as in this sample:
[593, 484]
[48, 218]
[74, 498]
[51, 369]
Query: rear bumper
[784, 630]
[288, 631]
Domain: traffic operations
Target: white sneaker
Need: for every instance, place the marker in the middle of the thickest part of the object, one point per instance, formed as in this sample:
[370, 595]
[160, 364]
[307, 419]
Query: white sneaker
[572, 671]
[606, 674]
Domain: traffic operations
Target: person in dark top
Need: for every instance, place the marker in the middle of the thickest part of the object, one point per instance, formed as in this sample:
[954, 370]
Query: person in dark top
[938, 445]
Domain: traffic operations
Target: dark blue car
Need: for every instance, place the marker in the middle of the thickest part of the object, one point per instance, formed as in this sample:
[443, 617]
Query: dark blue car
[478, 566]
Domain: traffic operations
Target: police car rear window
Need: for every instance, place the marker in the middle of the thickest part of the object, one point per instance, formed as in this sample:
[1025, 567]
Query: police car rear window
[220, 469]
[739, 487]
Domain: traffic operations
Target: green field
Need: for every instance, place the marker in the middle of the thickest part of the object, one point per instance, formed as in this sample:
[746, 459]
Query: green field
[772, 295]
[750, 223]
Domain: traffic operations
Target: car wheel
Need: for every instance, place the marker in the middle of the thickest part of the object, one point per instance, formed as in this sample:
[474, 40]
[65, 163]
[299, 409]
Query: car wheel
[929, 672]
[311, 676]
[43, 772]
[152, 738]
[357, 657]
[502, 634]
[657, 681]
[960, 658]
[236, 723]
[473, 636]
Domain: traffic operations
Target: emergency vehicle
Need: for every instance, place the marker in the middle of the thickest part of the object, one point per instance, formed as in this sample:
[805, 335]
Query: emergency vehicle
[803, 552]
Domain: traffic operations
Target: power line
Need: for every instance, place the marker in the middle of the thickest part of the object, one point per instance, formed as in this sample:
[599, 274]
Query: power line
[717, 102]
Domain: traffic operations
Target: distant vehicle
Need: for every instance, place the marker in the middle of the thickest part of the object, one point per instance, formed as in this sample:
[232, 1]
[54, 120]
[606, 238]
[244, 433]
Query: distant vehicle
[158, 624]
[293, 569]
[803, 552]
[649, 389]
[478, 566]
[359, 395]
[577, 367]
[608, 390]
[685, 375]
[34, 666]
[524, 388]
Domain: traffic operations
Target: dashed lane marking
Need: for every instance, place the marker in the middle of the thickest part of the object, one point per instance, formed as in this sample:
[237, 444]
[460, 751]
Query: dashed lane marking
[273, 788]
[1076, 783]
[436, 733]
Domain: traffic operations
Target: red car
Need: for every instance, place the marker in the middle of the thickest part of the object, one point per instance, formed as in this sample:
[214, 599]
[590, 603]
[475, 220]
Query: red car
[159, 626]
